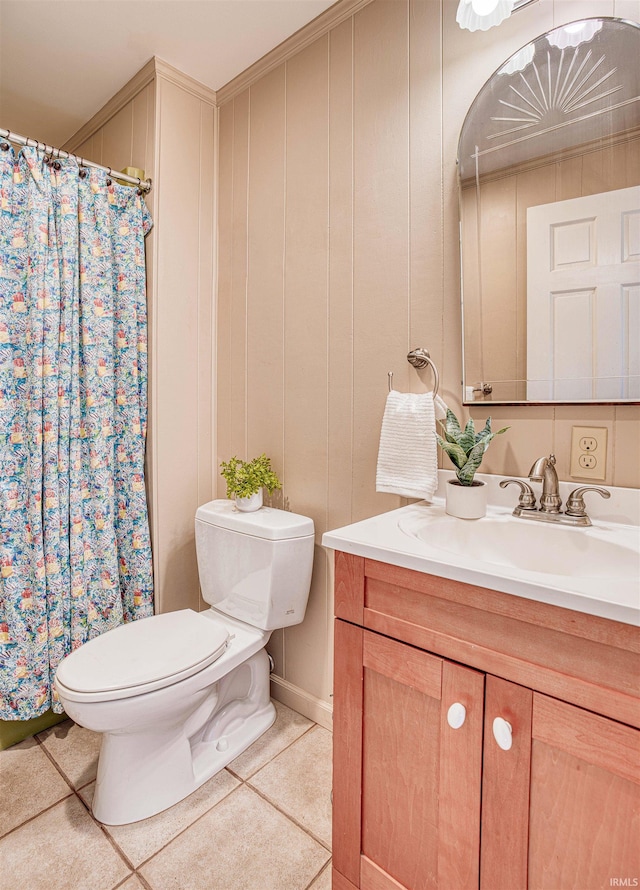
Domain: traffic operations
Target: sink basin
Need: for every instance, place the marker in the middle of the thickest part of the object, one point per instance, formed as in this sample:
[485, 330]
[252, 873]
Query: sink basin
[504, 540]
[594, 570]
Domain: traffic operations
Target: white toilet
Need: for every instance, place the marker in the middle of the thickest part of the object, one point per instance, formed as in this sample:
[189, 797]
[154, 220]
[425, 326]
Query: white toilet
[179, 695]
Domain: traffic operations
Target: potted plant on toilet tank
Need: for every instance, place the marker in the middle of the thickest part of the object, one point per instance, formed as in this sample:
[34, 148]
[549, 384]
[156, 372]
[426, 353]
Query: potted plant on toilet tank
[466, 497]
[247, 479]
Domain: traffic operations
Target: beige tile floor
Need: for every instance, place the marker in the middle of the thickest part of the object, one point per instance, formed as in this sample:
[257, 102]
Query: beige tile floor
[264, 823]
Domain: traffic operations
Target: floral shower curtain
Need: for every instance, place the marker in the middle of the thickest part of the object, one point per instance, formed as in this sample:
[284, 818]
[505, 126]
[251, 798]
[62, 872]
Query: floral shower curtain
[75, 555]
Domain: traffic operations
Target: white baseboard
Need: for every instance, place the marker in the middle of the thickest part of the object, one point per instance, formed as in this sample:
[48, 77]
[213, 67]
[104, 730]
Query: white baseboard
[303, 702]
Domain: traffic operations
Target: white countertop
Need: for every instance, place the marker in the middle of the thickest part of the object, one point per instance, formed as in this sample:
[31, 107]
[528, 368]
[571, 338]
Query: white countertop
[610, 588]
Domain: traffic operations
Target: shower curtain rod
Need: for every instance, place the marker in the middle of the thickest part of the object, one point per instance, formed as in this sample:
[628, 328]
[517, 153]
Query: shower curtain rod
[144, 184]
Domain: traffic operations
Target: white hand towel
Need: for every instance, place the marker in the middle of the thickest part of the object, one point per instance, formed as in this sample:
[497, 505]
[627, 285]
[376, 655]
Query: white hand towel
[407, 458]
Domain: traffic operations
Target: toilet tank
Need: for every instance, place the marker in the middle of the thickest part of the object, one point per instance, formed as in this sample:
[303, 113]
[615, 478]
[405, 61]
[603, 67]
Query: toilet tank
[255, 567]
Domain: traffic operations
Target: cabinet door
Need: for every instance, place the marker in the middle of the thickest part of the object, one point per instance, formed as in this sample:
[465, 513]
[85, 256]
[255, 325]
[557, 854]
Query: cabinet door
[584, 828]
[406, 784]
[561, 807]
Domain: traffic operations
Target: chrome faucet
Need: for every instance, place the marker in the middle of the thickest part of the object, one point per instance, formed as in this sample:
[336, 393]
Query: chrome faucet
[544, 471]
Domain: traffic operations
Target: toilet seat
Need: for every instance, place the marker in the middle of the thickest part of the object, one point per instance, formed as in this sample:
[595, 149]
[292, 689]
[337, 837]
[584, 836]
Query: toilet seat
[142, 656]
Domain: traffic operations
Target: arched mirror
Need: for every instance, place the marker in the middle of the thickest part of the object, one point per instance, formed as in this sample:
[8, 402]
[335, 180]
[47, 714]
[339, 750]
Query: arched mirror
[549, 177]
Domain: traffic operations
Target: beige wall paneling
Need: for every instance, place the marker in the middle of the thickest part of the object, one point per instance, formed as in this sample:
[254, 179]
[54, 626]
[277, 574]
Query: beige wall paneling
[472, 290]
[340, 371]
[627, 9]
[260, 309]
[206, 300]
[339, 493]
[570, 10]
[530, 436]
[306, 265]
[612, 168]
[224, 346]
[380, 234]
[626, 447]
[499, 279]
[606, 169]
[117, 138]
[142, 118]
[568, 179]
[183, 440]
[126, 139]
[265, 274]
[91, 149]
[425, 196]
[239, 283]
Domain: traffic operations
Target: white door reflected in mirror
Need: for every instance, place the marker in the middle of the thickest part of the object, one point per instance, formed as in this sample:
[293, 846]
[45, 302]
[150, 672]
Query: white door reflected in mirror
[583, 298]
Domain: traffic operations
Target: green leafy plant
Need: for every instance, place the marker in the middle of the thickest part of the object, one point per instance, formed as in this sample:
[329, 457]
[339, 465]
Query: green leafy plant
[245, 478]
[466, 448]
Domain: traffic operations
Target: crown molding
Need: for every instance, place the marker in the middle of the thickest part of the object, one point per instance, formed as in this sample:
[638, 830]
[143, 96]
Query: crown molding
[322, 24]
[184, 81]
[155, 68]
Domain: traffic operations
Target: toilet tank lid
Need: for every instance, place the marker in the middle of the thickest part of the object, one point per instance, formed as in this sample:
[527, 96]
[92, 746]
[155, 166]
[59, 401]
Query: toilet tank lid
[275, 525]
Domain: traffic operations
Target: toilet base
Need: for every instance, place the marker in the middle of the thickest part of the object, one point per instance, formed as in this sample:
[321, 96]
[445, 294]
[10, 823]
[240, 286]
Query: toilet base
[144, 772]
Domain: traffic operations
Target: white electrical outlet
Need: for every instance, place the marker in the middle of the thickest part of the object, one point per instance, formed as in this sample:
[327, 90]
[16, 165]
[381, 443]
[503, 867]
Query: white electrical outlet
[589, 452]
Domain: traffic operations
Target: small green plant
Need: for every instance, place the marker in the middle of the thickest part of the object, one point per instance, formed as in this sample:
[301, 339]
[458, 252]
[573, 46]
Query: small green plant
[466, 448]
[245, 478]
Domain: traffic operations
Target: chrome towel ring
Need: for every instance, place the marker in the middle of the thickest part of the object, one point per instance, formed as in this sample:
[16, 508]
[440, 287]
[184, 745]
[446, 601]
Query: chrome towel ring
[420, 358]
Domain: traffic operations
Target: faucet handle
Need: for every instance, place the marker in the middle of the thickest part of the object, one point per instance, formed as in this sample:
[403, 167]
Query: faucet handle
[575, 502]
[527, 499]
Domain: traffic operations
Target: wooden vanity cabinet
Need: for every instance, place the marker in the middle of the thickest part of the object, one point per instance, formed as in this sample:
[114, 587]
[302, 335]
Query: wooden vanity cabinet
[419, 804]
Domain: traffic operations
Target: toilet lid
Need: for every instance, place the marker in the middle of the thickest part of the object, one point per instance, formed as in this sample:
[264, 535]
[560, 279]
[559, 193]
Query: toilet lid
[142, 656]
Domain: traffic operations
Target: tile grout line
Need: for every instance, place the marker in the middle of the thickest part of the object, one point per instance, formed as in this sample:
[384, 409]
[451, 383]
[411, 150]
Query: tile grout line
[37, 815]
[134, 870]
[48, 753]
[241, 782]
[186, 828]
[324, 868]
[275, 756]
[105, 832]
[251, 788]
[288, 816]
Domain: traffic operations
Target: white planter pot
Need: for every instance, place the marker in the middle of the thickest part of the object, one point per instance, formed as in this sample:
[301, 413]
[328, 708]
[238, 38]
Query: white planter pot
[466, 501]
[250, 504]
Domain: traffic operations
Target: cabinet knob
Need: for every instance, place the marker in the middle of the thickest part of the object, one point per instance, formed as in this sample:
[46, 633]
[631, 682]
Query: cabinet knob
[456, 715]
[502, 733]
